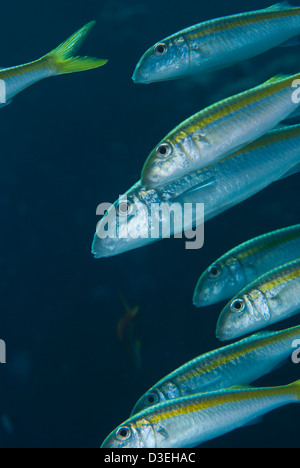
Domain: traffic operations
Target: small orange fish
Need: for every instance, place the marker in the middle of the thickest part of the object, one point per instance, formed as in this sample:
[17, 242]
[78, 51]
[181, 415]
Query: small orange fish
[126, 333]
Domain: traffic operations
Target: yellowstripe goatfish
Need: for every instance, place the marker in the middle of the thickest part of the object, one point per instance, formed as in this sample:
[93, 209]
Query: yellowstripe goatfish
[218, 43]
[237, 364]
[245, 263]
[191, 421]
[58, 62]
[221, 129]
[128, 223]
[270, 299]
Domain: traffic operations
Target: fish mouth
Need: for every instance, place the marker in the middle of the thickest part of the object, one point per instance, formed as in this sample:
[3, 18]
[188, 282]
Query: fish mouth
[139, 80]
[223, 332]
[201, 300]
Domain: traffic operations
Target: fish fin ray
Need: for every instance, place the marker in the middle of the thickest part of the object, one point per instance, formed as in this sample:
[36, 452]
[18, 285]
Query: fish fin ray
[284, 5]
[291, 172]
[62, 57]
[201, 190]
[279, 77]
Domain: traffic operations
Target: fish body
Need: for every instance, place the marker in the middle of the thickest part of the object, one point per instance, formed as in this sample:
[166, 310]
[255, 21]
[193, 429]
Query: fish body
[191, 421]
[245, 263]
[58, 62]
[219, 187]
[219, 43]
[220, 130]
[237, 364]
[268, 300]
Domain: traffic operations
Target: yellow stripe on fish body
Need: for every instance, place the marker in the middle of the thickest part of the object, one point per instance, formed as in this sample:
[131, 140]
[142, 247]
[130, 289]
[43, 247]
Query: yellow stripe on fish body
[217, 44]
[237, 364]
[191, 421]
[229, 107]
[272, 298]
[260, 344]
[238, 21]
[220, 130]
[189, 405]
[281, 276]
[242, 265]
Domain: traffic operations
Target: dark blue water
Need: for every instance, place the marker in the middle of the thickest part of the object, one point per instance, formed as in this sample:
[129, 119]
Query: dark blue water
[68, 144]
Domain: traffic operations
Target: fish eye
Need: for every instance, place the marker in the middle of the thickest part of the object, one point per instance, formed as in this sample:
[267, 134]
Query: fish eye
[214, 272]
[160, 49]
[125, 208]
[164, 150]
[238, 306]
[151, 399]
[123, 433]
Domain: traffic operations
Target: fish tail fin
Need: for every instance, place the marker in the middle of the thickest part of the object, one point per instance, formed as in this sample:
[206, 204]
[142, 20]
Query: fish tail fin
[295, 387]
[135, 311]
[62, 58]
[129, 311]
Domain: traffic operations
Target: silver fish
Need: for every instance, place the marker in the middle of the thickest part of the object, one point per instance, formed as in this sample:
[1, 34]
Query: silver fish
[218, 43]
[237, 364]
[245, 263]
[219, 187]
[191, 421]
[268, 300]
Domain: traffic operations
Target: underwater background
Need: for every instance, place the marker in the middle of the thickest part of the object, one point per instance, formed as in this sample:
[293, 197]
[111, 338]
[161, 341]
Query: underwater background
[68, 144]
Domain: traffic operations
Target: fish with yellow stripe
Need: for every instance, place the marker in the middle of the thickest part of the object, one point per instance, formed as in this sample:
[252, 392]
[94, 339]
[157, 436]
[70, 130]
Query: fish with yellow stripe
[58, 62]
[237, 364]
[191, 421]
[228, 275]
[270, 299]
[219, 43]
[220, 187]
[221, 129]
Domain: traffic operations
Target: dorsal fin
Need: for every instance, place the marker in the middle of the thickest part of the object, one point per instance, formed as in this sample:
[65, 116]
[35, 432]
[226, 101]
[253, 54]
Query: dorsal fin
[276, 78]
[285, 5]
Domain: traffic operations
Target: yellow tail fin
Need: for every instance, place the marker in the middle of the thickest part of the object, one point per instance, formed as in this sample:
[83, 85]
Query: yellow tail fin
[62, 58]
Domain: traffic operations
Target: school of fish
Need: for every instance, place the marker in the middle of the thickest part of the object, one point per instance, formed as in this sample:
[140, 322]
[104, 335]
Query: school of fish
[219, 157]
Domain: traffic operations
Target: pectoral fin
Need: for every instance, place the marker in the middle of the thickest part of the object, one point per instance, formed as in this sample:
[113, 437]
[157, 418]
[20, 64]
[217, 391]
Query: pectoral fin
[198, 193]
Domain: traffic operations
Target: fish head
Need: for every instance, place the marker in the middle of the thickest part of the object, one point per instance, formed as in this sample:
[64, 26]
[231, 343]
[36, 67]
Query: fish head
[166, 163]
[125, 225]
[166, 60]
[245, 314]
[149, 399]
[219, 282]
[134, 434]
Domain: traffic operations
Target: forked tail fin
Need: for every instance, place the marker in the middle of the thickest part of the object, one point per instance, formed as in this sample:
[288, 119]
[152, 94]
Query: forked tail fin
[63, 58]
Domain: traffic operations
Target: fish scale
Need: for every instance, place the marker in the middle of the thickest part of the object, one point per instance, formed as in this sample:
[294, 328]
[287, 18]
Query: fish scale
[271, 298]
[237, 364]
[59, 61]
[219, 43]
[220, 130]
[245, 263]
[221, 186]
[191, 421]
